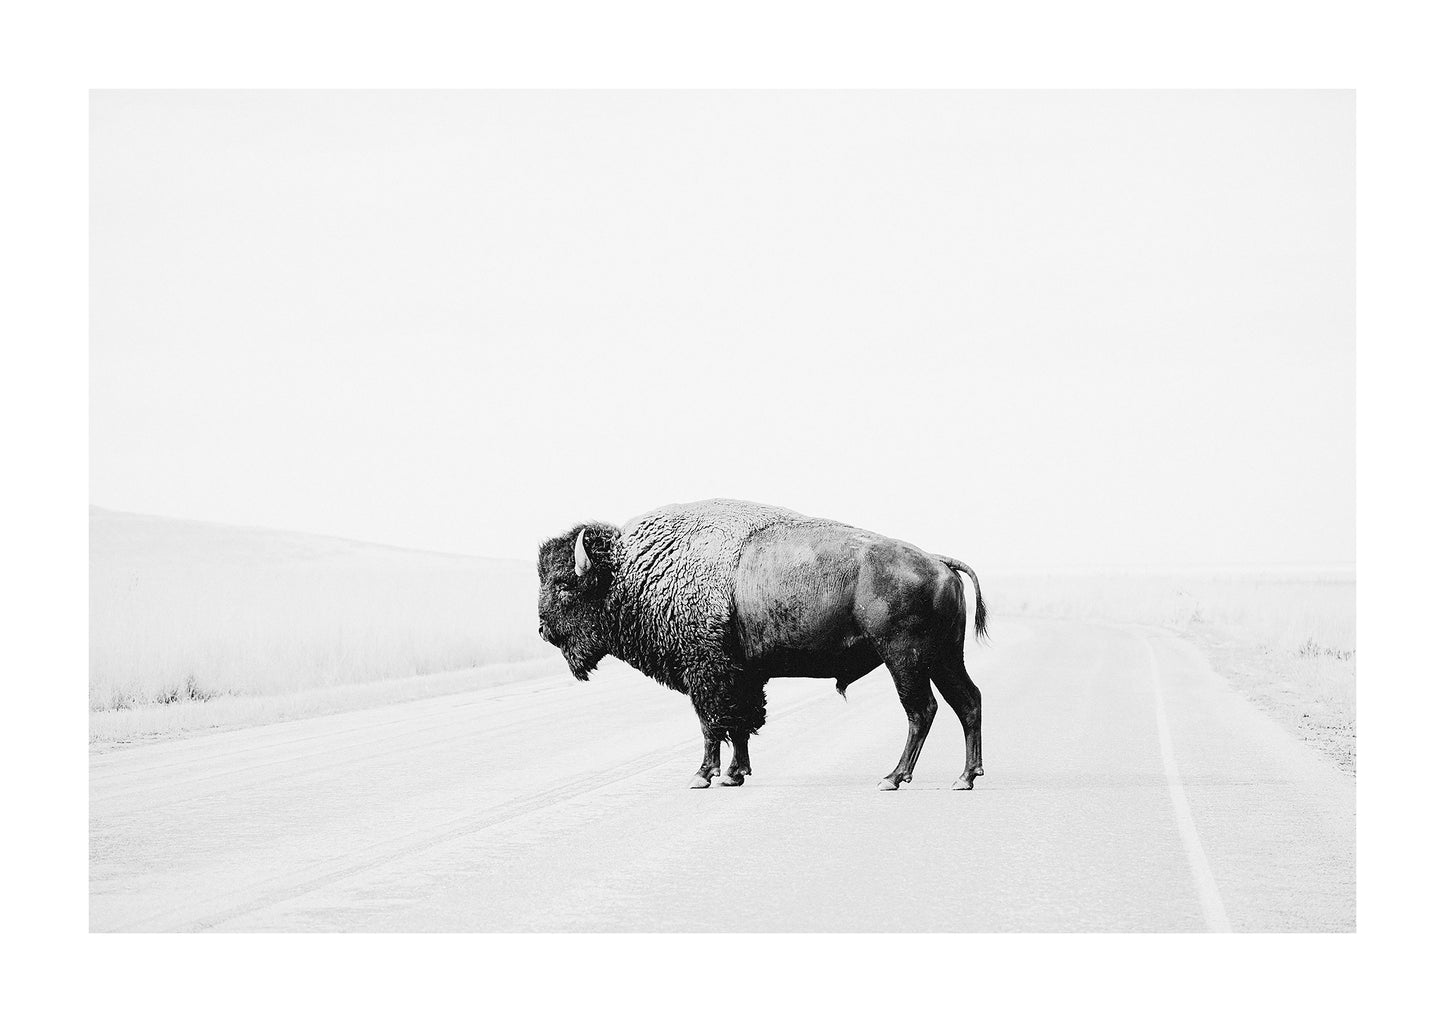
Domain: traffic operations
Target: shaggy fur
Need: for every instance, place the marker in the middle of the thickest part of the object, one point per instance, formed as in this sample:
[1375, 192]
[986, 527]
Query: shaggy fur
[714, 598]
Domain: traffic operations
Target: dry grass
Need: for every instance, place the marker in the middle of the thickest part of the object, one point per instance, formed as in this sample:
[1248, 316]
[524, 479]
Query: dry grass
[166, 720]
[185, 613]
[1287, 640]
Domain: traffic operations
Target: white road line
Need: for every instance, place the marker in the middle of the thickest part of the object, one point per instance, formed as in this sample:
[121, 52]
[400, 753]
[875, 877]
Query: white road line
[1212, 905]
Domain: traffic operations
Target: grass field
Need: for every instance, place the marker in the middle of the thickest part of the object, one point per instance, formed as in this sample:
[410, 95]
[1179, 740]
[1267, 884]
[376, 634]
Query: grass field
[185, 614]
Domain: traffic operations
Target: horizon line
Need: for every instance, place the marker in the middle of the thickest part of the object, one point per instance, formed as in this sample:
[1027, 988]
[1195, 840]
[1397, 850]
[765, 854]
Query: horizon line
[1070, 567]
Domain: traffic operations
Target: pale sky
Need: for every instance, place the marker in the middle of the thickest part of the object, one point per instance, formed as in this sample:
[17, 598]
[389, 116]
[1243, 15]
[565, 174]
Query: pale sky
[1025, 329]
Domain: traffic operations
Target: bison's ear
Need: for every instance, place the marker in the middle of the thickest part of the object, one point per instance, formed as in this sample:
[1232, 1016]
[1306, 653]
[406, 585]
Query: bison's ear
[592, 551]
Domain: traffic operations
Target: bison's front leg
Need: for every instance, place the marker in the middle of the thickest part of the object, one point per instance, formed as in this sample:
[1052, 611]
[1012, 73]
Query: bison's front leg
[741, 766]
[731, 706]
[746, 712]
[711, 759]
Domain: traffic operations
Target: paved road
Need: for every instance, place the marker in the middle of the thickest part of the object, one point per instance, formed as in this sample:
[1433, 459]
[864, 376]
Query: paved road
[1128, 788]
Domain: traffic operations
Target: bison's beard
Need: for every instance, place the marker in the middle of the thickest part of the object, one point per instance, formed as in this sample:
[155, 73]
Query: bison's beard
[581, 661]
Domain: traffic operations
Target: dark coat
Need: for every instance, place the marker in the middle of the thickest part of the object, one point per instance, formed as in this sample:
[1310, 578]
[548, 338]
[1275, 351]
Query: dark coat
[713, 598]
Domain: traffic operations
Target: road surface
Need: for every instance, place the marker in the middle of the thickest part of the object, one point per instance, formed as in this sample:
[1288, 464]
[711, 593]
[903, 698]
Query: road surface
[1127, 788]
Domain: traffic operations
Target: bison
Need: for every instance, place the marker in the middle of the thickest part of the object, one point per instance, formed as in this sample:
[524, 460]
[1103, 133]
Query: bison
[715, 598]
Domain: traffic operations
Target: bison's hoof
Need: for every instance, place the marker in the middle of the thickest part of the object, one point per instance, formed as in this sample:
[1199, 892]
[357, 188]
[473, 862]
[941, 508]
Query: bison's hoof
[888, 784]
[964, 783]
[732, 780]
[699, 781]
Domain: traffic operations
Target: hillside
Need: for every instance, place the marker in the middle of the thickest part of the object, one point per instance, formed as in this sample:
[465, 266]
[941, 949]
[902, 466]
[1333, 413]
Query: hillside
[187, 611]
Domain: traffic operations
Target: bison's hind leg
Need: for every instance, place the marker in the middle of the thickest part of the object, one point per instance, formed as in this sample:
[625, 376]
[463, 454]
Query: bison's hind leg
[910, 677]
[959, 691]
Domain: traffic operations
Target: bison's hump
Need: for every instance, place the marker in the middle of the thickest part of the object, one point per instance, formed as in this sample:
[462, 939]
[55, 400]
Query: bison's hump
[676, 570]
[722, 517]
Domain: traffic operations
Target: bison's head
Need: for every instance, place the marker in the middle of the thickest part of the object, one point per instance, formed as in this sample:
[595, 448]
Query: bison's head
[574, 574]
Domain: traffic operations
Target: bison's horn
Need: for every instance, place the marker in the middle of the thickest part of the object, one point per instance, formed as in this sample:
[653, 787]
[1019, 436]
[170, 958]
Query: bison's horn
[583, 561]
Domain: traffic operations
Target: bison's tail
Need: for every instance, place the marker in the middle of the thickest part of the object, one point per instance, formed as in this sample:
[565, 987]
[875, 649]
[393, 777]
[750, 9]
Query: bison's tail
[980, 616]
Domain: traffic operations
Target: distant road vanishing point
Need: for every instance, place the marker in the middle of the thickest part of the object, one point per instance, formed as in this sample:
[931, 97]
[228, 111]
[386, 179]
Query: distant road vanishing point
[1129, 788]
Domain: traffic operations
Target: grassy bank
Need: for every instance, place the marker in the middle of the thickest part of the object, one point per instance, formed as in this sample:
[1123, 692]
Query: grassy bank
[185, 614]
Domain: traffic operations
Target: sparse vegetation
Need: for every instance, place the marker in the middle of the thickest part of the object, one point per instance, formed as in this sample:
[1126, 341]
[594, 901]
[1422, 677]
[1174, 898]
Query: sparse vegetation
[1313, 648]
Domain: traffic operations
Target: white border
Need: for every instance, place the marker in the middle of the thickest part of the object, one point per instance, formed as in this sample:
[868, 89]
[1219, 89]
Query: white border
[55, 52]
